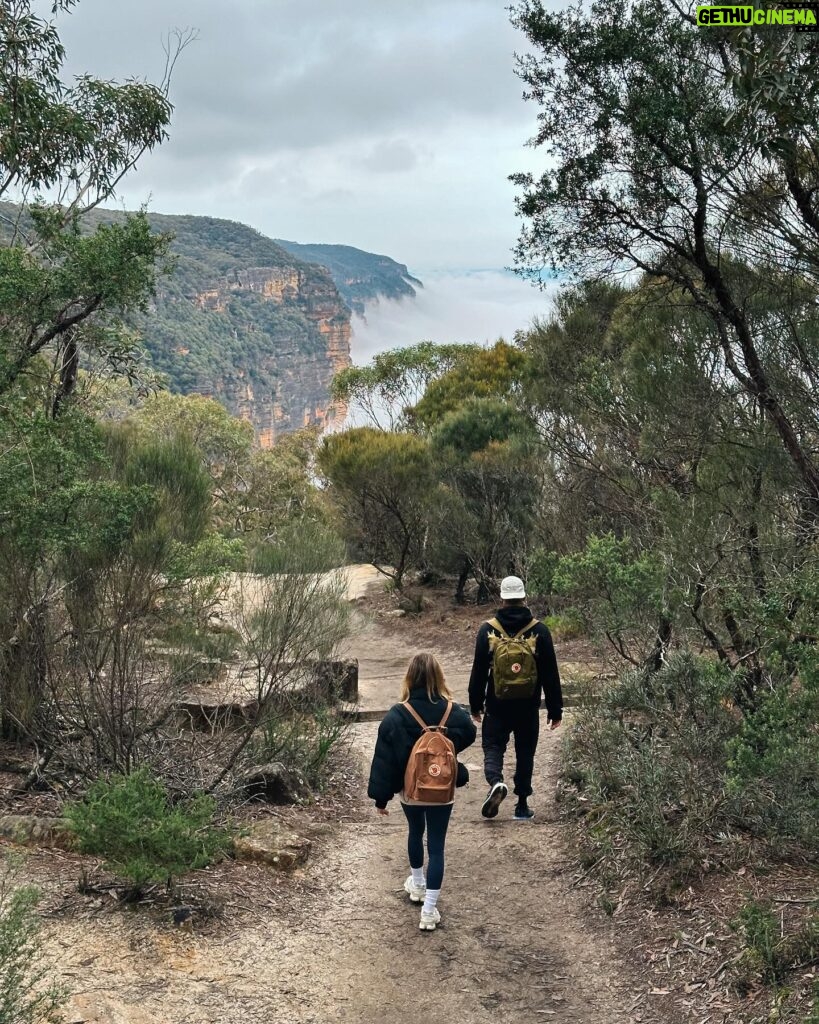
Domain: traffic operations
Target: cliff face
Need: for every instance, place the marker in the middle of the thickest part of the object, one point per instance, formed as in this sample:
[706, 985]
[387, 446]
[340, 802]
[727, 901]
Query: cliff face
[300, 395]
[250, 324]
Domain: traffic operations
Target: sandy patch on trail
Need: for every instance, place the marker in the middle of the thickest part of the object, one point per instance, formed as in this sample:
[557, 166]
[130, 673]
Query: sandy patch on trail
[245, 592]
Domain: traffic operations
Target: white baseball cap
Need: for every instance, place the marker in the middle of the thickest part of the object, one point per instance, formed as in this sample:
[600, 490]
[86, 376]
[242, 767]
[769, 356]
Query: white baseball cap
[512, 587]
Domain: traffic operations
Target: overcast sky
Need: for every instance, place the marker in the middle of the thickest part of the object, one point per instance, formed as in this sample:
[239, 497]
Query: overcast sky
[391, 125]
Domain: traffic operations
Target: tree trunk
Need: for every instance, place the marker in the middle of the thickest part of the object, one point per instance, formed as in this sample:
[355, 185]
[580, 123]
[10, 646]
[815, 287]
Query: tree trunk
[461, 587]
[69, 366]
[656, 659]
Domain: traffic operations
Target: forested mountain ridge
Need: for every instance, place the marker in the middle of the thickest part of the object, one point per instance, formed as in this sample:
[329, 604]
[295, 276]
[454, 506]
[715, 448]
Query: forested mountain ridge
[260, 326]
[360, 276]
[239, 319]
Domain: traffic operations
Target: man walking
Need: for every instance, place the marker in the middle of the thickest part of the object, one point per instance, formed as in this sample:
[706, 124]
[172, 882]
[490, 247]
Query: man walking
[514, 665]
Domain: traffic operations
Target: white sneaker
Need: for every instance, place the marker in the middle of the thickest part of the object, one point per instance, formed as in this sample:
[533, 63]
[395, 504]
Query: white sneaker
[416, 893]
[429, 922]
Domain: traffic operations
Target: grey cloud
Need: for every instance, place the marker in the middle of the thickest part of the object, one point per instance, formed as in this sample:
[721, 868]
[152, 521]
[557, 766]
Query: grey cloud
[281, 75]
[301, 117]
[392, 156]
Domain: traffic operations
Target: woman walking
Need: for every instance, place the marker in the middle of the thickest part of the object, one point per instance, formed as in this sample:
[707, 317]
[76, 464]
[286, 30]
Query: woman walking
[410, 759]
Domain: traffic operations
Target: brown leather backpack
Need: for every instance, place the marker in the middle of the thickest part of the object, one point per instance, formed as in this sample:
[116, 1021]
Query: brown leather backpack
[432, 767]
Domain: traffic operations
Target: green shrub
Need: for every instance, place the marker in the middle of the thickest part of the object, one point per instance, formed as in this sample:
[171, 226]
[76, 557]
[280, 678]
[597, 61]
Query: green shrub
[567, 625]
[303, 742]
[770, 953]
[666, 768]
[774, 762]
[131, 821]
[618, 592]
[26, 994]
[646, 762]
[760, 932]
[540, 572]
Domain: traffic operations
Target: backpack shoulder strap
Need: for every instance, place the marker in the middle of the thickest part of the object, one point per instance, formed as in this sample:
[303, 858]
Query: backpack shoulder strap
[415, 715]
[526, 629]
[422, 723]
[498, 628]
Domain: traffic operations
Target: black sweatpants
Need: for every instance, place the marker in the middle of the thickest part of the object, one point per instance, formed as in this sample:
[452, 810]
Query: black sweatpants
[495, 738]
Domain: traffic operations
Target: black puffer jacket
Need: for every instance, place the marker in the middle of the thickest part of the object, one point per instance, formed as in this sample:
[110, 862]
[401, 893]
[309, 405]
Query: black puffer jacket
[481, 689]
[397, 735]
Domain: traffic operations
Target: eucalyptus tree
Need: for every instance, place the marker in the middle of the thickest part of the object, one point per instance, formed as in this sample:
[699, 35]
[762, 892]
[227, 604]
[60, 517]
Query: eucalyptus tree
[67, 277]
[667, 157]
[385, 489]
[383, 392]
[69, 274]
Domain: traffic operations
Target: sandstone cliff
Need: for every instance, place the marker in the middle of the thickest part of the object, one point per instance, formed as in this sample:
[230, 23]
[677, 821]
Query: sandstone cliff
[299, 396]
[250, 324]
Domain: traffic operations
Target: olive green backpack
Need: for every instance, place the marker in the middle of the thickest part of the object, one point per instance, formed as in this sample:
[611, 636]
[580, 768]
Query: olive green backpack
[514, 668]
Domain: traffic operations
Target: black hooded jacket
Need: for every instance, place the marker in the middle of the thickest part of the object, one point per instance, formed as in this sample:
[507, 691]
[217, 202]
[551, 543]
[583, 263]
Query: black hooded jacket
[397, 735]
[482, 697]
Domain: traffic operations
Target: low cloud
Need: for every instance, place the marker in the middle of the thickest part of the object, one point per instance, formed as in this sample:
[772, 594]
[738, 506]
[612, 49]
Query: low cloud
[480, 306]
[390, 157]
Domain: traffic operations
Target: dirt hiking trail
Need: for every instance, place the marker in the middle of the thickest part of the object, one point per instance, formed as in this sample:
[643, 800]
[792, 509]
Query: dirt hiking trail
[513, 945]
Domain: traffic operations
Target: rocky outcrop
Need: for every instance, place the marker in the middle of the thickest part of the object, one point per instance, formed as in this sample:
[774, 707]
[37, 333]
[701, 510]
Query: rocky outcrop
[244, 321]
[300, 396]
[275, 783]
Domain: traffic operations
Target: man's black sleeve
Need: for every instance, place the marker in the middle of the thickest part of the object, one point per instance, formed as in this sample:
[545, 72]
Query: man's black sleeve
[479, 678]
[548, 675]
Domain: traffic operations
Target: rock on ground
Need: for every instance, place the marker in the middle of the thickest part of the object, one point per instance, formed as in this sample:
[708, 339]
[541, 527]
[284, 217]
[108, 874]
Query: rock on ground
[276, 784]
[30, 830]
[269, 842]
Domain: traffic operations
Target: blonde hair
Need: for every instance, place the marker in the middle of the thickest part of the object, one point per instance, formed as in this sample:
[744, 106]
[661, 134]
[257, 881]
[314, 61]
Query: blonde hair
[424, 670]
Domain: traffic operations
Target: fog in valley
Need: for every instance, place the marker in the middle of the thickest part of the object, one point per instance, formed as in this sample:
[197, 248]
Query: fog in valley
[475, 306]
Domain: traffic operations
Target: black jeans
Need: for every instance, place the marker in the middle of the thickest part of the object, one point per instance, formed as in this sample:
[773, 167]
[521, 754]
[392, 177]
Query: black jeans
[494, 739]
[436, 820]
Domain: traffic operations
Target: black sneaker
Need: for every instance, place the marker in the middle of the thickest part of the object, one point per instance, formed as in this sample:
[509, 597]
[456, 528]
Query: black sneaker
[494, 798]
[523, 812]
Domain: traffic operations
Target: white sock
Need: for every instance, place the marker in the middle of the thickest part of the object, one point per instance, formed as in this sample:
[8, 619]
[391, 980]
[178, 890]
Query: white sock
[431, 900]
[418, 877]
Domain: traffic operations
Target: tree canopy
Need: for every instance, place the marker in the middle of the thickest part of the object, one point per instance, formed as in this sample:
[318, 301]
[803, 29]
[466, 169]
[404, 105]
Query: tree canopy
[64, 289]
[663, 159]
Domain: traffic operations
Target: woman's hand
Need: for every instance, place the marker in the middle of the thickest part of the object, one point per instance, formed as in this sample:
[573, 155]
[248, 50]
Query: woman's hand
[382, 810]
